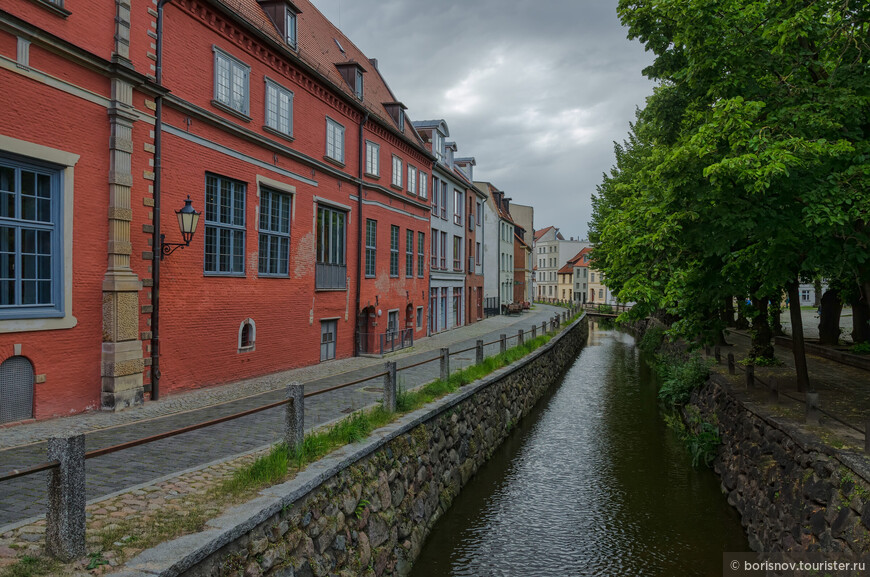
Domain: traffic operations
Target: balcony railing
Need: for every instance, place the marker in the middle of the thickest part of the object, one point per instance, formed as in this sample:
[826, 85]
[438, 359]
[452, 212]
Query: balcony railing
[457, 264]
[470, 223]
[330, 276]
[470, 264]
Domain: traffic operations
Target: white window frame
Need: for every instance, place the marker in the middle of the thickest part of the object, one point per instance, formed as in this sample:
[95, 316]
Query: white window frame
[290, 31]
[273, 118]
[424, 183]
[397, 171]
[234, 67]
[412, 179]
[334, 140]
[373, 158]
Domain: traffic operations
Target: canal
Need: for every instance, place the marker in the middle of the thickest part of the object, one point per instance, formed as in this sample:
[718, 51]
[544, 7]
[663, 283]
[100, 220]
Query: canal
[592, 482]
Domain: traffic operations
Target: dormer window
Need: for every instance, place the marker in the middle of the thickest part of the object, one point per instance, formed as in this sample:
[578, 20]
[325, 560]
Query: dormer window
[396, 110]
[283, 14]
[358, 89]
[290, 26]
[352, 73]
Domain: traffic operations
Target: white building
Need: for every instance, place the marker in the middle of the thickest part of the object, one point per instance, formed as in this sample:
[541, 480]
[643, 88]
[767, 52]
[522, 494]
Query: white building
[498, 250]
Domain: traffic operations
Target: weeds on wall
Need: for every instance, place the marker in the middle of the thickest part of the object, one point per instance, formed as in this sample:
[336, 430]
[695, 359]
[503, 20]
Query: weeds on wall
[679, 376]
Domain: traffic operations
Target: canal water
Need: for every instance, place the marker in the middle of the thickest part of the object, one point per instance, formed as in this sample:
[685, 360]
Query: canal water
[591, 483]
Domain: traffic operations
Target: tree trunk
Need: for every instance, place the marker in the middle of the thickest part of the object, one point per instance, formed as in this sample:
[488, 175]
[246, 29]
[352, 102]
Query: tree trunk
[775, 315]
[817, 284]
[728, 311]
[742, 323]
[829, 319]
[761, 346]
[860, 317]
[797, 336]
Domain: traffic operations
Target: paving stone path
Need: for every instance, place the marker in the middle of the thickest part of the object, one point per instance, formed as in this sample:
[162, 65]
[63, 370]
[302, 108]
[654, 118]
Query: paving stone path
[23, 446]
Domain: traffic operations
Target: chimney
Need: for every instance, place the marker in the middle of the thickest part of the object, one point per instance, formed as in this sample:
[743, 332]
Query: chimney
[374, 62]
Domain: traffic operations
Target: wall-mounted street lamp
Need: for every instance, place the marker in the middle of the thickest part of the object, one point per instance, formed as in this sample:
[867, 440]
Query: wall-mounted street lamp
[188, 218]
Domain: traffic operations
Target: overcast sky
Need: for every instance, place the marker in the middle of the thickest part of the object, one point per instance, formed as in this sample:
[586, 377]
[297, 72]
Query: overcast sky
[536, 91]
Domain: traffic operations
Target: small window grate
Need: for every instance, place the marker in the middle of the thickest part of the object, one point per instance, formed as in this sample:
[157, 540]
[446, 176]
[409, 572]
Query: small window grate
[16, 389]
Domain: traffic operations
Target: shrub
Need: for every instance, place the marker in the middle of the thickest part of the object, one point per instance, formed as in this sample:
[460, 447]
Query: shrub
[652, 339]
[860, 349]
[680, 378]
[605, 309]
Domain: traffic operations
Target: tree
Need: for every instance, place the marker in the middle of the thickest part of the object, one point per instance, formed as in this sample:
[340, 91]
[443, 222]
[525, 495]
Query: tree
[749, 165]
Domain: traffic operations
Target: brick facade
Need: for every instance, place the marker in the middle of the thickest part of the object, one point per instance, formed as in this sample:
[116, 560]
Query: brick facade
[93, 65]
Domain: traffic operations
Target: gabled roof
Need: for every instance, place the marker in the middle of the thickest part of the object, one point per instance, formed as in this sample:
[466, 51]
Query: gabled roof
[318, 46]
[521, 241]
[577, 258]
[543, 231]
[567, 269]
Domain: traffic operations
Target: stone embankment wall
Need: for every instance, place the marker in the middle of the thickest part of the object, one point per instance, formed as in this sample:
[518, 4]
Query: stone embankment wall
[367, 509]
[794, 492]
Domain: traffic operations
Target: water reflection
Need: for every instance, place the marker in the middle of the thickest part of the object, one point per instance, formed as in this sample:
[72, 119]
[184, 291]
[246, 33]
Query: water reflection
[591, 483]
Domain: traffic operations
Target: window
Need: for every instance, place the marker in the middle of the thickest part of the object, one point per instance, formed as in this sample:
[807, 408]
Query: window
[435, 197]
[373, 158]
[412, 180]
[290, 28]
[457, 253]
[358, 85]
[805, 295]
[458, 203]
[438, 145]
[444, 200]
[371, 247]
[224, 225]
[334, 140]
[419, 318]
[31, 261]
[409, 253]
[479, 215]
[231, 82]
[478, 254]
[600, 293]
[279, 108]
[434, 254]
[397, 171]
[394, 251]
[274, 232]
[592, 277]
[392, 323]
[247, 336]
[424, 182]
[328, 331]
[330, 271]
[443, 251]
[421, 253]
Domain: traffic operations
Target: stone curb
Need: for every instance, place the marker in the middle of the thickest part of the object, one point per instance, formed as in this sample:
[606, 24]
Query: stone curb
[174, 557]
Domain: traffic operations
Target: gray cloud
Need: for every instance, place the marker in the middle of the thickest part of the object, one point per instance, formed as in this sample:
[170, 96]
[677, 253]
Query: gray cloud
[536, 91]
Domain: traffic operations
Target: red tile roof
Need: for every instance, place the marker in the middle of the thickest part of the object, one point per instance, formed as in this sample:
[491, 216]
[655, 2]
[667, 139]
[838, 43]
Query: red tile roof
[567, 269]
[542, 232]
[316, 37]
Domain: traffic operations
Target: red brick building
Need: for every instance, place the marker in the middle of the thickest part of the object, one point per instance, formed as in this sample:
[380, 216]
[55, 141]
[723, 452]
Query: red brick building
[312, 243]
[475, 198]
[522, 262]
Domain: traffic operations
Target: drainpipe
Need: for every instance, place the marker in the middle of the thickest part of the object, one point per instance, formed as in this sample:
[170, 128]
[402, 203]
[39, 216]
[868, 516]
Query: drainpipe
[359, 233]
[156, 241]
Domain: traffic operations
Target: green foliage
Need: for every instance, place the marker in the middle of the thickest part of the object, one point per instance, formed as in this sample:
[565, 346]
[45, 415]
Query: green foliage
[28, 566]
[700, 437]
[680, 378]
[605, 309]
[360, 508]
[860, 349]
[748, 167]
[652, 339]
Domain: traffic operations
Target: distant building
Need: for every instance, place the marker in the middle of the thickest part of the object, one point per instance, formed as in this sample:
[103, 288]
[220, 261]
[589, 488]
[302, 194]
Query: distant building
[551, 253]
[498, 249]
[524, 216]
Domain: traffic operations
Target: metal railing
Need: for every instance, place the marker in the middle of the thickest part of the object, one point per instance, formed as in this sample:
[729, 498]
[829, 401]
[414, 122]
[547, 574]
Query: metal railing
[396, 340]
[65, 525]
[330, 276]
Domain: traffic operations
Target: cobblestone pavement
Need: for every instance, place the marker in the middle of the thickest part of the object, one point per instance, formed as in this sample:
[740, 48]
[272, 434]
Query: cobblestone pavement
[844, 391]
[25, 497]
